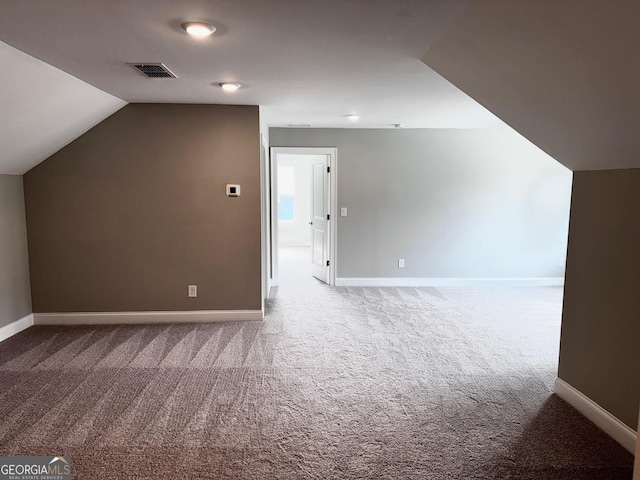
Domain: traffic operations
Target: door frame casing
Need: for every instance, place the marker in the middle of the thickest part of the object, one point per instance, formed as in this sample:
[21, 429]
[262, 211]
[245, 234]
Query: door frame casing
[332, 154]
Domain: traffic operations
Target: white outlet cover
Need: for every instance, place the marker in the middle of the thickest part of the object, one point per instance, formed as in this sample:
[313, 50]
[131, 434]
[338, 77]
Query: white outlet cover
[193, 291]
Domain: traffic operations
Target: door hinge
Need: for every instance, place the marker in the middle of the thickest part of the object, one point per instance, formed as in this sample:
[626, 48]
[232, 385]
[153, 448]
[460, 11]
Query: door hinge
[327, 263]
[328, 217]
[328, 169]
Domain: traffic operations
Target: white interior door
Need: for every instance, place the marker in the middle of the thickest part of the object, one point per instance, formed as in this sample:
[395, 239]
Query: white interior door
[320, 219]
[330, 228]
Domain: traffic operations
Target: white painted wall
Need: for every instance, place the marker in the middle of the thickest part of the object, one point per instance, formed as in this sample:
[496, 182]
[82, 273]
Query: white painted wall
[297, 233]
[43, 109]
[567, 85]
[265, 209]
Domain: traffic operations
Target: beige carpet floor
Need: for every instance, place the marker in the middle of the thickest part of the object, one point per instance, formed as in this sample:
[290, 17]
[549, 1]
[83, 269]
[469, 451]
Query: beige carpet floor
[336, 383]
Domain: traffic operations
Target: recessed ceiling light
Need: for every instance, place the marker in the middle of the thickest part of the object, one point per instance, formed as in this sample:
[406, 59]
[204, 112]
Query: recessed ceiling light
[198, 29]
[229, 87]
[353, 117]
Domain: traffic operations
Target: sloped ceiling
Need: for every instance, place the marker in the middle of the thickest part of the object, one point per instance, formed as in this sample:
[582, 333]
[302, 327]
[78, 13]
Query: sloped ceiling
[303, 62]
[42, 109]
[563, 73]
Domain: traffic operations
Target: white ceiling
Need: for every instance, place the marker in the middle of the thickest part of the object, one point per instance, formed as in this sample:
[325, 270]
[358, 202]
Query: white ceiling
[42, 109]
[305, 62]
[564, 73]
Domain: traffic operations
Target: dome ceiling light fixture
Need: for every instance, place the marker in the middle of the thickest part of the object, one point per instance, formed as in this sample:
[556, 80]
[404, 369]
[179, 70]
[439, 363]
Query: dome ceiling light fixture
[229, 87]
[198, 29]
[353, 117]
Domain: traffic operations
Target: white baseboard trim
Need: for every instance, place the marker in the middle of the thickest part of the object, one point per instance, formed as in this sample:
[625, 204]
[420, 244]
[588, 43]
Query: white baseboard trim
[447, 282]
[16, 327]
[118, 318]
[613, 427]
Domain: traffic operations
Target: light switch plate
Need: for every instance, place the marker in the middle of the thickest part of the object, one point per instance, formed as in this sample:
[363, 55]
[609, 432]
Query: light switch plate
[343, 212]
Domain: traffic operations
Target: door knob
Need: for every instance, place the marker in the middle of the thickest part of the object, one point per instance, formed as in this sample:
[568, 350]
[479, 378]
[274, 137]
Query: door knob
[310, 223]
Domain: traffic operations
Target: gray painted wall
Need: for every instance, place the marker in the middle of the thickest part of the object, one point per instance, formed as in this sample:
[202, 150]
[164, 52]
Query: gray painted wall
[600, 324]
[131, 213]
[636, 469]
[452, 203]
[15, 294]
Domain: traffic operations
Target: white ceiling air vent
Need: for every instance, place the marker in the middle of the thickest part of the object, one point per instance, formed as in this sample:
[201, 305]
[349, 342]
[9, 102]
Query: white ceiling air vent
[154, 70]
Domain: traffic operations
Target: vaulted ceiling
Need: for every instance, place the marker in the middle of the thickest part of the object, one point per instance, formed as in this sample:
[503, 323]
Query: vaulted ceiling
[560, 72]
[564, 73]
[306, 63]
[42, 109]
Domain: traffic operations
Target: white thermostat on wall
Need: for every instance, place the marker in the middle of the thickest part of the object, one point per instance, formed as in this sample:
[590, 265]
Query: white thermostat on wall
[233, 190]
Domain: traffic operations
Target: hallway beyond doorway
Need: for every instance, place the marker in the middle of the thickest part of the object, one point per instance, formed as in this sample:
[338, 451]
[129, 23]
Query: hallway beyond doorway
[295, 266]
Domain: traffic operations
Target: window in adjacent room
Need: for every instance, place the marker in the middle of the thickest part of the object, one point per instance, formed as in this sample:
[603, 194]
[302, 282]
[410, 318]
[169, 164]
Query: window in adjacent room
[286, 193]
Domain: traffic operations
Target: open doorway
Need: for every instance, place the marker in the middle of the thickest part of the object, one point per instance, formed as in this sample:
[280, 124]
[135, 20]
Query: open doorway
[303, 231]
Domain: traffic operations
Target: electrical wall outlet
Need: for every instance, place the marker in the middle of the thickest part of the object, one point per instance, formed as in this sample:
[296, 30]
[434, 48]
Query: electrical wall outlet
[401, 263]
[193, 291]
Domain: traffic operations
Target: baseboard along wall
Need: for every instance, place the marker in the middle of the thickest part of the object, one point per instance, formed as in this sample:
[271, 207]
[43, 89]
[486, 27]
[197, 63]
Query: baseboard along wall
[16, 327]
[123, 318]
[120, 318]
[604, 420]
[447, 282]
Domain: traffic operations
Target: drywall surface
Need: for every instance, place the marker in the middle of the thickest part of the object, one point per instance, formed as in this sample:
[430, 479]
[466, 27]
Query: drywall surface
[297, 232]
[43, 109]
[636, 468]
[452, 203]
[265, 200]
[135, 210]
[600, 327]
[559, 72]
[15, 294]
